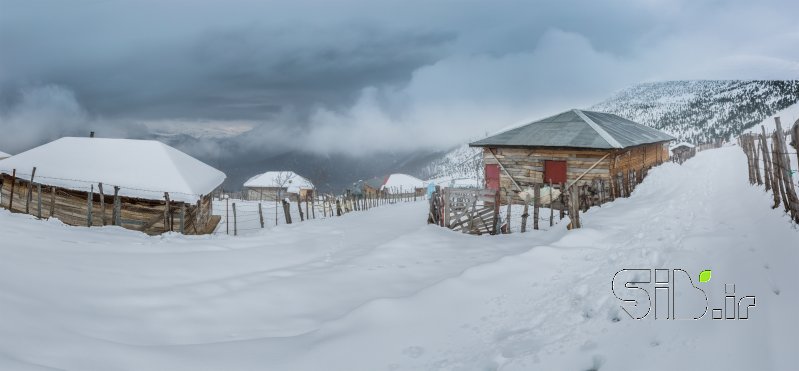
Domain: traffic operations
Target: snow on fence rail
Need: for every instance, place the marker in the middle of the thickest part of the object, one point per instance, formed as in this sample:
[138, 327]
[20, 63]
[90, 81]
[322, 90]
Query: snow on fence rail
[777, 173]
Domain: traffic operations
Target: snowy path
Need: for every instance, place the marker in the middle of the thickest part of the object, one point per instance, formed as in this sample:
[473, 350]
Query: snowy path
[380, 290]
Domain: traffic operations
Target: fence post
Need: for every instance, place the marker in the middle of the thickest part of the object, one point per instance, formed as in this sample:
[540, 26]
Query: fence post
[791, 202]
[286, 211]
[551, 210]
[756, 161]
[536, 204]
[766, 160]
[199, 213]
[235, 227]
[89, 197]
[117, 207]
[574, 208]
[13, 185]
[39, 201]
[183, 218]
[52, 201]
[167, 224]
[510, 201]
[447, 206]
[227, 215]
[496, 212]
[102, 203]
[261, 215]
[30, 192]
[299, 208]
[524, 213]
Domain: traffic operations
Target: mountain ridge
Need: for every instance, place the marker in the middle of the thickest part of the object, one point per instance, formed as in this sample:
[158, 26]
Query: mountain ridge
[696, 111]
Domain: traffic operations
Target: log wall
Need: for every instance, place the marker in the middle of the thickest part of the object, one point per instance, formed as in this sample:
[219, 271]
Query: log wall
[72, 208]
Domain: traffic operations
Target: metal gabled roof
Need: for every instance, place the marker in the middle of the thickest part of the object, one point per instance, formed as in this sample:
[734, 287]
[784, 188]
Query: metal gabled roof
[577, 129]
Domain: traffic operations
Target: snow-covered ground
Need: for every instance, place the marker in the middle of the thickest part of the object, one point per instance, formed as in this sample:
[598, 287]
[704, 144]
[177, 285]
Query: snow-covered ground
[380, 290]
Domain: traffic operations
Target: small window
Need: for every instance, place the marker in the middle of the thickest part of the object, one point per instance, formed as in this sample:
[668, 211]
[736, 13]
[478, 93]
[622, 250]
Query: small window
[554, 171]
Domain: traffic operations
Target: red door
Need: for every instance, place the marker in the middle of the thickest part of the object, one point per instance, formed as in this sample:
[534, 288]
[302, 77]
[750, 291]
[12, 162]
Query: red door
[555, 171]
[492, 176]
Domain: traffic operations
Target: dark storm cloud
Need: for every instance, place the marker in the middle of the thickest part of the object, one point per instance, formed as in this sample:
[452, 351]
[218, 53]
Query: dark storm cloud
[357, 76]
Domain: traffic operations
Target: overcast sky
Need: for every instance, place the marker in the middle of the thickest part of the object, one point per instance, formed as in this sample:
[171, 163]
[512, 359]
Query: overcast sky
[358, 77]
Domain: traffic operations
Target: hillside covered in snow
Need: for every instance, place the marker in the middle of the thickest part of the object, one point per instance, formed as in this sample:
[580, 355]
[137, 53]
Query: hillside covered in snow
[382, 290]
[461, 166]
[699, 111]
[694, 111]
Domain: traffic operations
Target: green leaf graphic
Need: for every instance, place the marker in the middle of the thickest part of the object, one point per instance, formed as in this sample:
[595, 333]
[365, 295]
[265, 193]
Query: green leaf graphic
[705, 275]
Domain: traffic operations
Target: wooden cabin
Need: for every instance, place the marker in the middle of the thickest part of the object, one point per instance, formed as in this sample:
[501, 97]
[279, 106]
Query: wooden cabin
[276, 185]
[404, 184]
[683, 151]
[142, 185]
[370, 188]
[602, 151]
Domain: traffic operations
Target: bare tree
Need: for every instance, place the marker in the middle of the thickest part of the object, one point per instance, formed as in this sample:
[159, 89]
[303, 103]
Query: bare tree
[281, 181]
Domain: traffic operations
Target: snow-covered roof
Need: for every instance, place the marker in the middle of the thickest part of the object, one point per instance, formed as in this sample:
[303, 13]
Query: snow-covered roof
[141, 168]
[577, 129]
[682, 144]
[279, 179]
[4, 155]
[403, 182]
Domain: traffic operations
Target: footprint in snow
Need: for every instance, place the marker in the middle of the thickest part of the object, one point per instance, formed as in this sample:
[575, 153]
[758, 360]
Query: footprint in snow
[598, 361]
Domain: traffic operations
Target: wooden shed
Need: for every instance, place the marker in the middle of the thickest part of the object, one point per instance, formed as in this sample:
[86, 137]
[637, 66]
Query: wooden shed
[601, 151]
[404, 184]
[683, 151]
[370, 188]
[143, 185]
[275, 185]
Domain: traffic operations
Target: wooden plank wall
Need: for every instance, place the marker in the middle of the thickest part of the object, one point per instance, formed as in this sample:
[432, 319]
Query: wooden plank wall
[641, 157]
[71, 207]
[526, 165]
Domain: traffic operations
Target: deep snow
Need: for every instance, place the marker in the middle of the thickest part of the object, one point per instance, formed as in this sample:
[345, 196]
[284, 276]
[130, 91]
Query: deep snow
[380, 290]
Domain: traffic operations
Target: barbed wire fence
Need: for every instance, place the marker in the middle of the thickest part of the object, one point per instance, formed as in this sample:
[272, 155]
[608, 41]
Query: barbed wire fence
[240, 216]
[90, 203]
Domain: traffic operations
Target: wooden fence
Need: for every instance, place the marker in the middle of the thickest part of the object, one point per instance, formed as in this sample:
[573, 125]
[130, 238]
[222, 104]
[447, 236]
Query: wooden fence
[478, 211]
[94, 206]
[717, 143]
[242, 215]
[683, 154]
[777, 173]
[474, 211]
